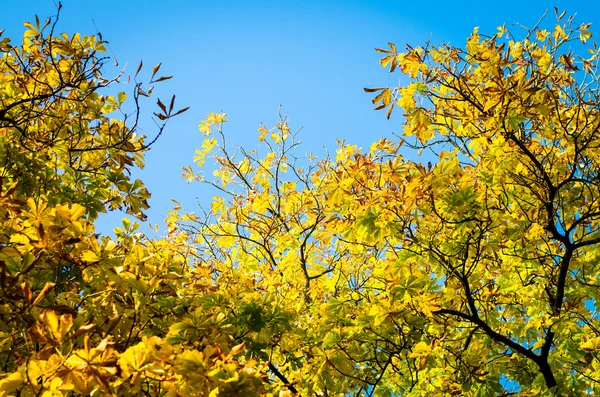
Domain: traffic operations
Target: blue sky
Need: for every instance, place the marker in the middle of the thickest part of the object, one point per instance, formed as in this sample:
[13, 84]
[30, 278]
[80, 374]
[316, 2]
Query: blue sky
[248, 57]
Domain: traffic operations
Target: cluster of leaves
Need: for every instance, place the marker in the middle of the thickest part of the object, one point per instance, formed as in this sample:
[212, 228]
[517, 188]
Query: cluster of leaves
[372, 274]
[80, 314]
[307, 294]
[508, 221]
[365, 273]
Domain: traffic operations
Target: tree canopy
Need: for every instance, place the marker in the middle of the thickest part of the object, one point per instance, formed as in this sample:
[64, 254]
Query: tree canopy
[472, 270]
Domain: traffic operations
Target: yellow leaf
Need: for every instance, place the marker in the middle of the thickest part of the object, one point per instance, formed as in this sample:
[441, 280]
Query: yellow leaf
[490, 103]
[559, 32]
[419, 350]
[386, 60]
[19, 239]
[237, 349]
[77, 210]
[516, 50]
[592, 344]
[89, 256]
[263, 130]
[11, 383]
[50, 319]
[47, 287]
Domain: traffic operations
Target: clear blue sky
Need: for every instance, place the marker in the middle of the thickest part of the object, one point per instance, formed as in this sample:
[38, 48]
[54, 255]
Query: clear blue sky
[248, 57]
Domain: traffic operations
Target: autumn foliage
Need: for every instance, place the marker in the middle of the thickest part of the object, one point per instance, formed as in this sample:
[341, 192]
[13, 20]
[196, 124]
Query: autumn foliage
[472, 270]
[82, 314]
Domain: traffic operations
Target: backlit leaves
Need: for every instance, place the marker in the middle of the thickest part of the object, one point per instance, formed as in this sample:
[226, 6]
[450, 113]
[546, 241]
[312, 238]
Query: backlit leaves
[471, 270]
[79, 313]
[459, 275]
